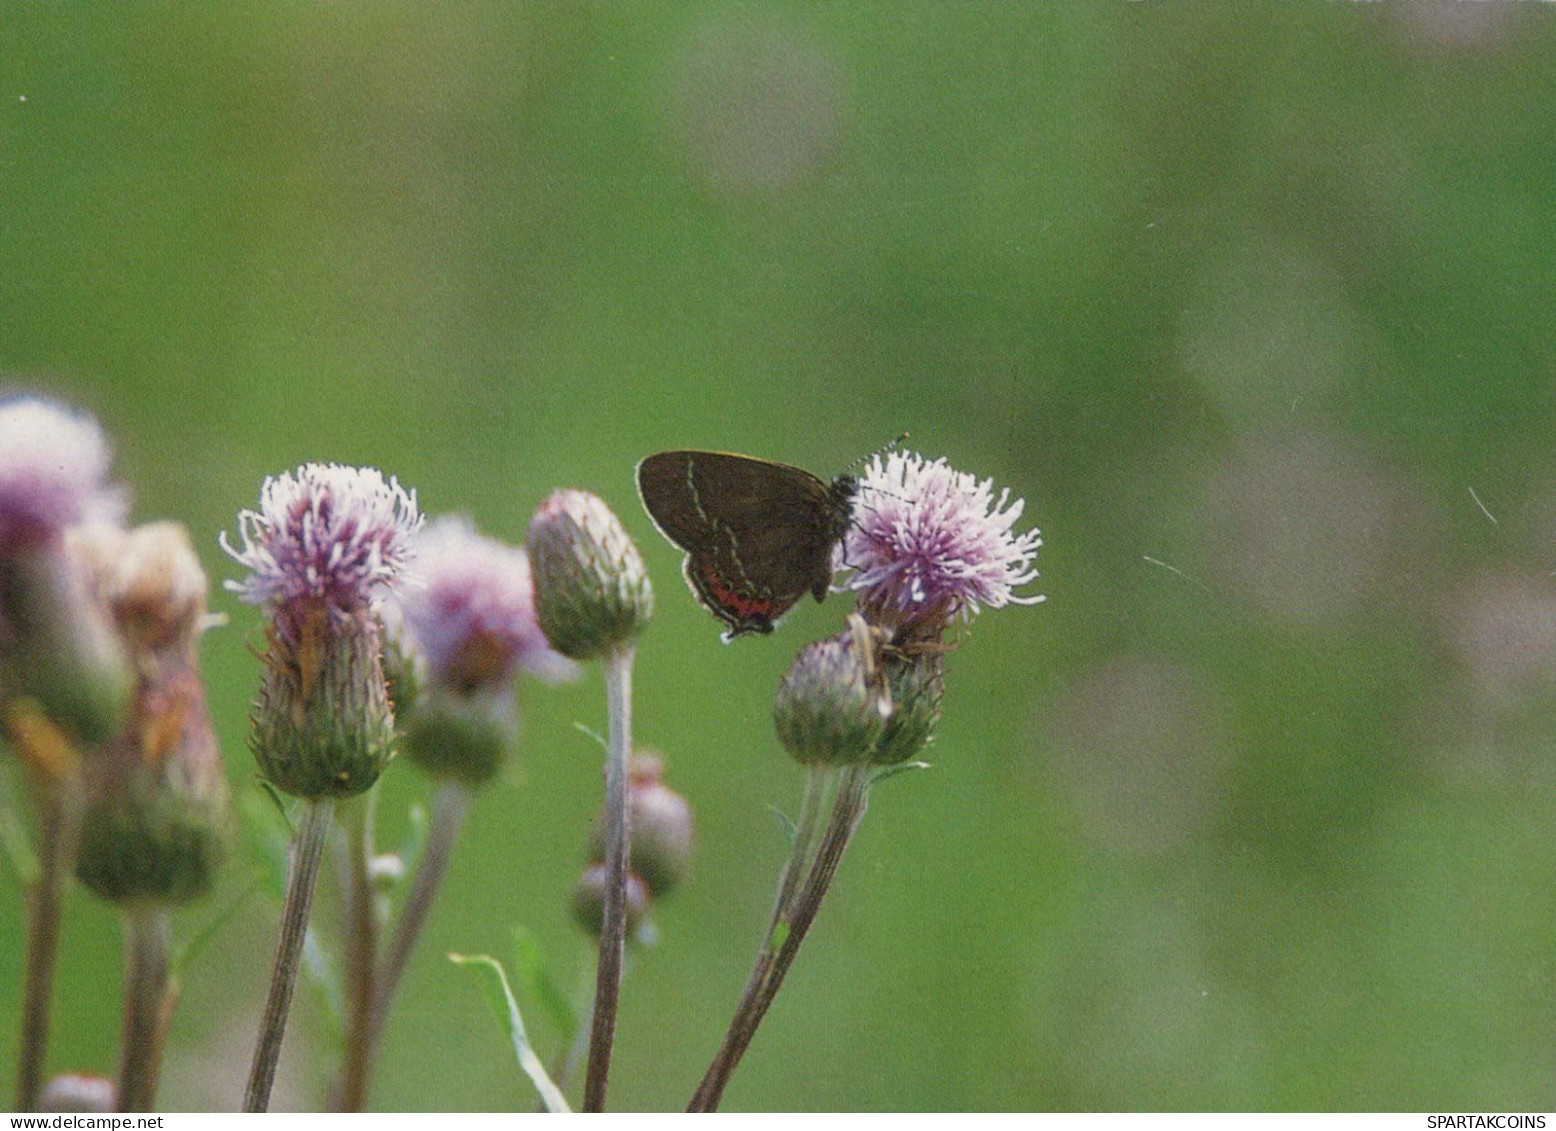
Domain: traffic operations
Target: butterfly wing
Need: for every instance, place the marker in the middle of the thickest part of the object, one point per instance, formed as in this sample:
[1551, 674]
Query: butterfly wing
[758, 535]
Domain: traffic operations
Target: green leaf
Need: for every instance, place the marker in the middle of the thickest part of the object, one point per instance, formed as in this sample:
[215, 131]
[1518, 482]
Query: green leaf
[786, 823]
[594, 734]
[533, 974]
[267, 837]
[190, 951]
[500, 997]
[415, 841]
[324, 972]
[893, 771]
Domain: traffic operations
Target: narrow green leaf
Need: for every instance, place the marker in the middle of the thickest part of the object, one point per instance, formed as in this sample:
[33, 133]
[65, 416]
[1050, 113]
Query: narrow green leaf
[415, 841]
[500, 997]
[594, 734]
[190, 951]
[786, 823]
[267, 837]
[324, 972]
[893, 771]
[533, 974]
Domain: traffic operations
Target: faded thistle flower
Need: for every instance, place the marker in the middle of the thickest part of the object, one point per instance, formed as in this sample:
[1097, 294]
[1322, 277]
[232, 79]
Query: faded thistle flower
[155, 827]
[929, 544]
[323, 545]
[59, 659]
[592, 592]
[467, 623]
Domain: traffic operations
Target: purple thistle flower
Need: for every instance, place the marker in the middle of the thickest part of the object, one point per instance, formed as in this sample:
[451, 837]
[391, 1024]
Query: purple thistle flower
[328, 534]
[471, 612]
[319, 548]
[53, 472]
[929, 543]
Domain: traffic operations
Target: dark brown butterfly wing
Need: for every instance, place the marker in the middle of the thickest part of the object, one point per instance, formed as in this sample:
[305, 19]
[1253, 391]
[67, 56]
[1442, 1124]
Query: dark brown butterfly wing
[758, 535]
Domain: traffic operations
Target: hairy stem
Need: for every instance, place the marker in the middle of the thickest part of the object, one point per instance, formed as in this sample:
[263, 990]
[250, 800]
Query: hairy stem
[797, 906]
[613, 933]
[59, 828]
[146, 946]
[307, 849]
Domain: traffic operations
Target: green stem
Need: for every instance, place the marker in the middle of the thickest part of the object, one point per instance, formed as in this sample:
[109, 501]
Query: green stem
[361, 958]
[59, 828]
[307, 849]
[796, 910]
[146, 986]
[613, 932]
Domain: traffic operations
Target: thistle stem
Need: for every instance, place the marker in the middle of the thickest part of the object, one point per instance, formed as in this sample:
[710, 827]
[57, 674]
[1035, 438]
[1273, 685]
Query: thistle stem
[613, 933]
[796, 908]
[307, 849]
[361, 959]
[146, 998]
[59, 829]
[449, 807]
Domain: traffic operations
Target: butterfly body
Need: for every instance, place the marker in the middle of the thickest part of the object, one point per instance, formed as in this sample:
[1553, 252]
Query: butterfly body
[757, 535]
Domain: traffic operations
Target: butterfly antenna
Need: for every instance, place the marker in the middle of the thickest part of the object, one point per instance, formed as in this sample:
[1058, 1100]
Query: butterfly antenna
[880, 451]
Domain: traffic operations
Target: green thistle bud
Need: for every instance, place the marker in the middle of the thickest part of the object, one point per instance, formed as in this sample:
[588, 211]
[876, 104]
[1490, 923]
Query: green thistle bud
[155, 829]
[592, 591]
[830, 706]
[461, 737]
[917, 684]
[589, 900]
[661, 824]
[61, 651]
[323, 726]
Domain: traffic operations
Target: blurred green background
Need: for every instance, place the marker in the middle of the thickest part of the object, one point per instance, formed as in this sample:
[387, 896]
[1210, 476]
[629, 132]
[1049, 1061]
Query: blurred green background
[1250, 303]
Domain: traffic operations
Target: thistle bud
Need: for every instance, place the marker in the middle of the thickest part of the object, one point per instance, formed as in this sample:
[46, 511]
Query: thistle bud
[79, 1093]
[323, 725]
[56, 647]
[592, 591]
[829, 704]
[155, 829]
[917, 684]
[661, 824]
[589, 900]
[465, 737]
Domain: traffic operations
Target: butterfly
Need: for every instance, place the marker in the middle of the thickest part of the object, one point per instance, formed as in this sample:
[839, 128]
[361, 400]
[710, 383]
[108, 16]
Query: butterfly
[758, 535]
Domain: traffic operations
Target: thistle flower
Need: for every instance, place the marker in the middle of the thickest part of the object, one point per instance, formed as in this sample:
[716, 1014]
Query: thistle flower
[929, 543]
[323, 545]
[471, 612]
[53, 473]
[592, 592]
[327, 533]
[55, 644]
